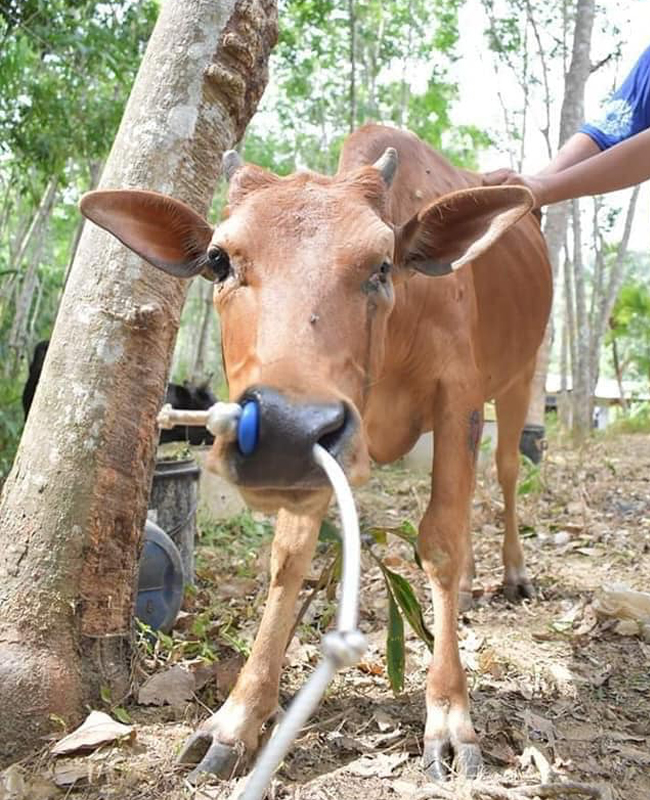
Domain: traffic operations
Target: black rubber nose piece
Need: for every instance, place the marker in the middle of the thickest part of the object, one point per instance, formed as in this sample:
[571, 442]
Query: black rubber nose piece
[288, 429]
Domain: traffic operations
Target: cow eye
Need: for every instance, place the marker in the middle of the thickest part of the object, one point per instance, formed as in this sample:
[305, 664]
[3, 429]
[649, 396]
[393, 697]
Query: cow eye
[384, 271]
[218, 263]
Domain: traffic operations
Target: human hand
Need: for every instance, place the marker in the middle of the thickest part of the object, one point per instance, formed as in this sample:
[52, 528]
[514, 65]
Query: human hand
[508, 177]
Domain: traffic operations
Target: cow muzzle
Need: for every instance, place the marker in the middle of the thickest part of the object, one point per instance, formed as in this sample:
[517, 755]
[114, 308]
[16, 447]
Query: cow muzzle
[279, 454]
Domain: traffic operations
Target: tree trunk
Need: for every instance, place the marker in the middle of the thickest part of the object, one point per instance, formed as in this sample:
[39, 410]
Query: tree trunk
[75, 503]
[22, 250]
[557, 215]
[563, 406]
[32, 249]
[199, 372]
[352, 22]
[581, 394]
[605, 299]
[619, 374]
[94, 174]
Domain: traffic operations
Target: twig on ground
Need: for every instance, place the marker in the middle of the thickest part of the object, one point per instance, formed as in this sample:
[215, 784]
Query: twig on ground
[478, 790]
[322, 582]
[558, 789]
[322, 723]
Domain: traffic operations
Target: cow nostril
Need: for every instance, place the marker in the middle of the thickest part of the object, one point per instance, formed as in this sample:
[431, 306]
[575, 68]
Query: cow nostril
[334, 439]
[276, 436]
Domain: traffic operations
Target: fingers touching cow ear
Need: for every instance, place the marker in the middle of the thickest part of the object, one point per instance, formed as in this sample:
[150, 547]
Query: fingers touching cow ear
[165, 232]
[459, 227]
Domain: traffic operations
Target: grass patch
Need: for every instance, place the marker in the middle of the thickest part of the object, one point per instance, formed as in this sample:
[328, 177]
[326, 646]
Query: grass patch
[635, 421]
[236, 541]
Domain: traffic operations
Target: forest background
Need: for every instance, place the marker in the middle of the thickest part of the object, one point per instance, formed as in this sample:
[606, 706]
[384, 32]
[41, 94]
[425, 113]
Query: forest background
[488, 83]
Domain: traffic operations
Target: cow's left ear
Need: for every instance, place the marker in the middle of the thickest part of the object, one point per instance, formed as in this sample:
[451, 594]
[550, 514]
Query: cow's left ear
[165, 232]
[459, 227]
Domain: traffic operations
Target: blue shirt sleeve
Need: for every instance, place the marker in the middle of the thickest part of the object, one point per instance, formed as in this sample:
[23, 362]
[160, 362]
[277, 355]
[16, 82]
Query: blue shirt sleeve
[627, 111]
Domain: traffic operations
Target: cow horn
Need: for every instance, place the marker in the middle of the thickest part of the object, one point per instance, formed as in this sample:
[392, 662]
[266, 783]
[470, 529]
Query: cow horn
[230, 162]
[387, 165]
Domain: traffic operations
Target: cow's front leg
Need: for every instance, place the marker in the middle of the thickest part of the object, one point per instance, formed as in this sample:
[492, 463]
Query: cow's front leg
[444, 543]
[231, 735]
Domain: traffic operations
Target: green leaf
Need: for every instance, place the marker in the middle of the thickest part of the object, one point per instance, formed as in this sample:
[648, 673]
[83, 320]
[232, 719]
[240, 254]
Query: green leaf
[105, 694]
[409, 604]
[378, 534]
[407, 532]
[329, 532]
[395, 656]
[122, 715]
[531, 482]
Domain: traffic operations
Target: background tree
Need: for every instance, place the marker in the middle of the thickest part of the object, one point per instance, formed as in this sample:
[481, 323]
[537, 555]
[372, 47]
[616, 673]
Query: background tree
[66, 68]
[75, 502]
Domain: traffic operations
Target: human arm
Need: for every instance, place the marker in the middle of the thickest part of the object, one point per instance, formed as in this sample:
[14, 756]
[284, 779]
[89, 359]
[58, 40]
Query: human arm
[578, 148]
[580, 168]
[573, 151]
[625, 164]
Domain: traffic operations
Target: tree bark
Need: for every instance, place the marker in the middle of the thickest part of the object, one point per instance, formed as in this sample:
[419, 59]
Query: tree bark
[75, 502]
[581, 395]
[605, 299]
[557, 216]
[32, 249]
[619, 374]
[199, 371]
[22, 251]
[352, 23]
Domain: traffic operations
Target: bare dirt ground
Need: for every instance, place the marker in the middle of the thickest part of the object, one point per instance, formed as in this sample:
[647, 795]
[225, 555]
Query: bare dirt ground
[559, 693]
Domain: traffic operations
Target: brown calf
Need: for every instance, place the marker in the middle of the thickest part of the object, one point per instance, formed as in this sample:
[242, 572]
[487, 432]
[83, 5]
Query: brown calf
[344, 317]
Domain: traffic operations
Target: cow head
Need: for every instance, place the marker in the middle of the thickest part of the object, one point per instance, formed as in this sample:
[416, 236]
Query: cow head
[304, 270]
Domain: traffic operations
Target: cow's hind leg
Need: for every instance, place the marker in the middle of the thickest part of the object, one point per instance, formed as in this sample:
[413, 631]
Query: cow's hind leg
[225, 741]
[444, 542]
[511, 408]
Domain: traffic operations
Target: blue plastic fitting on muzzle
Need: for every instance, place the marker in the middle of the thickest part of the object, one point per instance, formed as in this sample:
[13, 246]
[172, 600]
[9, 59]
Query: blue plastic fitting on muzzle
[248, 428]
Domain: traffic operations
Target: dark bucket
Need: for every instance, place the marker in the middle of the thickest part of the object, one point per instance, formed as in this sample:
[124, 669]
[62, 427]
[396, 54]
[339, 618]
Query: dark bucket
[174, 498]
[532, 443]
[160, 580]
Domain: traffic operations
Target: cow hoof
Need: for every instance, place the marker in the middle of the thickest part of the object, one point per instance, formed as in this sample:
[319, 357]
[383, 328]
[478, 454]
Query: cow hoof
[516, 592]
[440, 759]
[437, 758]
[468, 760]
[213, 757]
[465, 601]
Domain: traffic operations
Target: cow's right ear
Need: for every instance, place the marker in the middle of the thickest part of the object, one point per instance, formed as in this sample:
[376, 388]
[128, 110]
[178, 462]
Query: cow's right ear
[458, 227]
[165, 232]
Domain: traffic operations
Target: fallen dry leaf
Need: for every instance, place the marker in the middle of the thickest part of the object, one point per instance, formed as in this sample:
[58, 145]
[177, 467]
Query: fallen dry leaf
[381, 765]
[236, 587]
[533, 755]
[635, 754]
[17, 784]
[299, 653]
[227, 671]
[174, 687]
[618, 600]
[540, 725]
[627, 627]
[69, 773]
[224, 673]
[97, 729]
[385, 722]
[370, 668]
[405, 790]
